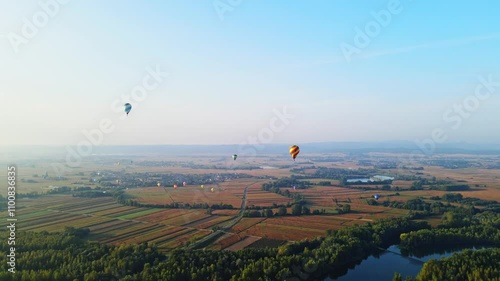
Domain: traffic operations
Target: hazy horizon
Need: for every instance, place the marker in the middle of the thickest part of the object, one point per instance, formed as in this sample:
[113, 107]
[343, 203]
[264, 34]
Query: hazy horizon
[263, 72]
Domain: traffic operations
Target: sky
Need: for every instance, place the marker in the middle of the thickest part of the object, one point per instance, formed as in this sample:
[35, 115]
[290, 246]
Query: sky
[240, 71]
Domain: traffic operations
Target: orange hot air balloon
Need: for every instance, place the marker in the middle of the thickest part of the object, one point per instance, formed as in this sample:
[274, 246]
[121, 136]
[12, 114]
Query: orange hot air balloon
[294, 151]
[175, 186]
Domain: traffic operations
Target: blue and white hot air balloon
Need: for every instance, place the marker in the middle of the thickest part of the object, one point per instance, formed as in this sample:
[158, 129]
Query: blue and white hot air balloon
[128, 107]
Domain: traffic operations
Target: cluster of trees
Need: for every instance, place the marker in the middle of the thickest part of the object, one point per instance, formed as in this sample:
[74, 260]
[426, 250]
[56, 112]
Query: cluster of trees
[324, 183]
[60, 190]
[421, 209]
[468, 265]
[286, 182]
[459, 228]
[429, 181]
[481, 229]
[413, 168]
[437, 207]
[78, 232]
[450, 163]
[32, 194]
[451, 187]
[386, 165]
[54, 257]
[267, 213]
[477, 201]
[490, 205]
[416, 205]
[452, 197]
[406, 177]
[297, 210]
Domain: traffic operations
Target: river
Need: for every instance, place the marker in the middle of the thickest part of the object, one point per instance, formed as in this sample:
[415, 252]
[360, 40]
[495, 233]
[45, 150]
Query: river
[383, 266]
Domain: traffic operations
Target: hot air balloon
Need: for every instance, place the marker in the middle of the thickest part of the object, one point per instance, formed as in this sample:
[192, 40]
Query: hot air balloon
[235, 156]
[294, 151]
[128, 107]
[202, 186]
[184, 184]
[175, 186]
[158, 184]
[212, 189]
[376, 196]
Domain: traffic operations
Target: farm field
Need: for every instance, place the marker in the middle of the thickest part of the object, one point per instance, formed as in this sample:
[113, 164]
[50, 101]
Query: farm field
[294, 228]
[114, 223]
[225, 241]
[265, 198]
[242, 244]
[230, 192]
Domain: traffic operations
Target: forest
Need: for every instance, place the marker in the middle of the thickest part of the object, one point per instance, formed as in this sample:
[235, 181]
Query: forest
[68, 256]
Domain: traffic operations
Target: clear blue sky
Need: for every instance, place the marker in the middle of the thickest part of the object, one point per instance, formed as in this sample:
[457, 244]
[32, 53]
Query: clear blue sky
[226, 75]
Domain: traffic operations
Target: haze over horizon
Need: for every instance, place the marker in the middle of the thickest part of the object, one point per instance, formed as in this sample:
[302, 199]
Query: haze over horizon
[275, 72]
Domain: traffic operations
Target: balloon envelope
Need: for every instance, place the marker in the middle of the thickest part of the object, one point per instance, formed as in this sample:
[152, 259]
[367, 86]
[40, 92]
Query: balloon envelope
[128, 107]
[235, 156]
[294, 151]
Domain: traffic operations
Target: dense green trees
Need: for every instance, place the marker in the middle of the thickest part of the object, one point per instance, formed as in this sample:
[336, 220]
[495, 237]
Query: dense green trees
[468, 265]
[54, 257]
[461, 229]
[285, 182]
[452, 187]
